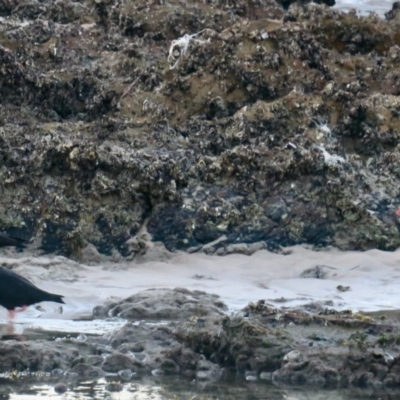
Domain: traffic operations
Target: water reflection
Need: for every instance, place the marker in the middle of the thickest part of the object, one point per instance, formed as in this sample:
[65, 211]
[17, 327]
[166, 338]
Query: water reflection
[111, 388]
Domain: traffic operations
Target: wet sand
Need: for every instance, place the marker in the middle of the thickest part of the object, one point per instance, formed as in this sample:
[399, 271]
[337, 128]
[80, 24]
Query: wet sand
[372, 279]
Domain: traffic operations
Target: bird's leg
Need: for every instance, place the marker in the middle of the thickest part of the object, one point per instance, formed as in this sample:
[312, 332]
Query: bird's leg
[11, 316]
[11, 313]
[10, 326]
[21, 309]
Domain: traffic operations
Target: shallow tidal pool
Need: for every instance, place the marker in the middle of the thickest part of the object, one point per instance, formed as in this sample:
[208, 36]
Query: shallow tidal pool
[64, 386]
[33, 388]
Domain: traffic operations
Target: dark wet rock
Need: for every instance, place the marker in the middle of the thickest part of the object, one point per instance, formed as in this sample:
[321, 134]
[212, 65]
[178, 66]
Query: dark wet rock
[114, 387]
[60, 388]
[87, 371]
[168, 367]
[235, 343]
[394, 13]
[158, 349]
[317, 272]
[77, 360]
[102, 310]
[125, 337]
[36, 356]
[130, 347]
[117, 361]
[207, 371]
[286, 3]
[241, 248]
[94, 360]
[165, 304]
[307, 372]
[184, 361]
[143, 340]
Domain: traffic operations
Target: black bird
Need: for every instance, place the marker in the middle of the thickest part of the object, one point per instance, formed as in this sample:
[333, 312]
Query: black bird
[6, 240]
[16, 291]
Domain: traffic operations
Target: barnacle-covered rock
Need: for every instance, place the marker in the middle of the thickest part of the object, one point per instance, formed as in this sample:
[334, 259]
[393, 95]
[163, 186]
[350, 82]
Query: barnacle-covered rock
[219, 126]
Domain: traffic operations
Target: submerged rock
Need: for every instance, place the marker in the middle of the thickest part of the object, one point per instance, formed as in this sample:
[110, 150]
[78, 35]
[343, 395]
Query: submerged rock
[83, 370]
[117, 361]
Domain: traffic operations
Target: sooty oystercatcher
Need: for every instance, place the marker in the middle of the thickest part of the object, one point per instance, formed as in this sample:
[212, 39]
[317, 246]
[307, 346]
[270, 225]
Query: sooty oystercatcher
[16, 291]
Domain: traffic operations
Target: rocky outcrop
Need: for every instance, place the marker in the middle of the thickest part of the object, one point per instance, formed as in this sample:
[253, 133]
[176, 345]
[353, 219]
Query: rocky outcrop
[231, 121]
[311, 345]
[167, 304]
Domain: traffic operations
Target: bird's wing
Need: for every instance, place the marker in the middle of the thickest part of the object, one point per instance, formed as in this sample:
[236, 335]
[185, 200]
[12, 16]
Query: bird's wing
[7, 274]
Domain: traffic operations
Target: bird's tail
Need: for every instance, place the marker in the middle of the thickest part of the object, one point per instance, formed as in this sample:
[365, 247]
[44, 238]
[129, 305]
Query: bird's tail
[53, 297]
[7, 240]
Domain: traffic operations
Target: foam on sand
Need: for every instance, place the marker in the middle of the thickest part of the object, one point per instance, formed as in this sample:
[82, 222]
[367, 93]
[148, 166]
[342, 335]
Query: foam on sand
[373, 279]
